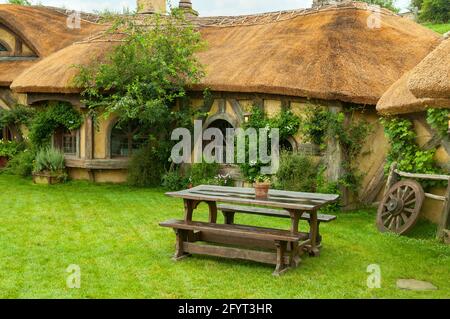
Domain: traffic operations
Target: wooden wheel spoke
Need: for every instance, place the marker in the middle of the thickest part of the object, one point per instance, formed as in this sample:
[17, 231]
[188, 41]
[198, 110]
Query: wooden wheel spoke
[412, 201]
[387, 221]
[392, 223]
[404, 217]
[398, 222]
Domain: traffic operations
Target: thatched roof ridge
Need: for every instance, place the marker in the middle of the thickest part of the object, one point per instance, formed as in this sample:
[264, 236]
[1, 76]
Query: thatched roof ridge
[431, 78]
[43, 29]
[426, 85]
[327, 53]
[398, 99]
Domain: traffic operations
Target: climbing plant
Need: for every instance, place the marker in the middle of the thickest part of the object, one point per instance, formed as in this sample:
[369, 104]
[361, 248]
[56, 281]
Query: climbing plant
[404, 149]
[54, 115]
[438, 120]
[319, 125]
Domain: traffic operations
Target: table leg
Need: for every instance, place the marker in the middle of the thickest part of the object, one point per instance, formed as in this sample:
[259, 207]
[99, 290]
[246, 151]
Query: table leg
[188, 210]
[314, 226]
[295, 218]
[212, 212]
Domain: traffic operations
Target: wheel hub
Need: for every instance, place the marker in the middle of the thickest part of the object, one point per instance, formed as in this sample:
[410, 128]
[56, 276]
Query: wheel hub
[395, 206]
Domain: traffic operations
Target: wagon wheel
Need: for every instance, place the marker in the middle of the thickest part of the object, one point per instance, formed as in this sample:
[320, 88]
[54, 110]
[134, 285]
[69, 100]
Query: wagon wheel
[400, 208]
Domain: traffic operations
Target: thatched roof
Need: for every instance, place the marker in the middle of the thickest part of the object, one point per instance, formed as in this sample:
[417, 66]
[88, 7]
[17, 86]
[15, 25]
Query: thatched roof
[43, 29]
[426, 85]
[326, 53]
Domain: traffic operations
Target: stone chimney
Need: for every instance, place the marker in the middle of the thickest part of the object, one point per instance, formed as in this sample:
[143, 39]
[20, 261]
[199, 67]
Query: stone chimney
[186, 6]
[151, 6]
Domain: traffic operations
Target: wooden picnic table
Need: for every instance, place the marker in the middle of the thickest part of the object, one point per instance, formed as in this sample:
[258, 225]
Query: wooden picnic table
[293, 205]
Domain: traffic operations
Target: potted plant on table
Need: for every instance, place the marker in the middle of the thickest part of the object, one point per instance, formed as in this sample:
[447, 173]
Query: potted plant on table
[262, 185]
[49, 167]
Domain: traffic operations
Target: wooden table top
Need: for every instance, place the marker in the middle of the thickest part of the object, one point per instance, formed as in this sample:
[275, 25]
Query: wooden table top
[246, 196]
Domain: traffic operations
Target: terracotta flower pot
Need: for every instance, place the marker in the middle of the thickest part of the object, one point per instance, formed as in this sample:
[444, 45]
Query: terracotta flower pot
[261, 190]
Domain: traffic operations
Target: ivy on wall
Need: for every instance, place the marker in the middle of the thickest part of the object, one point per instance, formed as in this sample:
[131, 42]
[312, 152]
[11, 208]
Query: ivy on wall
[404, 149]
[320, 124]
[438, 120]
[53, 116]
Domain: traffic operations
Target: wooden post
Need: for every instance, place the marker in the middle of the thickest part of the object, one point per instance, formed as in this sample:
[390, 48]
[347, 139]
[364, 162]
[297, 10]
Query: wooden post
[392, 179]
[445, 218]
[89, 135]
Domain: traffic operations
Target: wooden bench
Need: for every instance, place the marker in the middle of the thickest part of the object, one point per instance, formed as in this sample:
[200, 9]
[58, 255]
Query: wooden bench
[286, 247]
[229, 212]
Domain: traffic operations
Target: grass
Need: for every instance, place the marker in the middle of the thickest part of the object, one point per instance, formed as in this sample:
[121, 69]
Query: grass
[112, 233]
[439, 28]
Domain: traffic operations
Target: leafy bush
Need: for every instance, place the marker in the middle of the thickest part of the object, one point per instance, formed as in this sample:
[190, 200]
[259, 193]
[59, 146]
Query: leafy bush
[9, 148]
[17, 116]
[49, 160]
[297, 172]
[204, 173]
[286, 121]
[21, 164]
[175, 181]
[437, 11]
[146, 167]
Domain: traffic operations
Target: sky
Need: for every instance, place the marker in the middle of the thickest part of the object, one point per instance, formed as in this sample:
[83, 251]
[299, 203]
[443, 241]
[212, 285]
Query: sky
[204, 7]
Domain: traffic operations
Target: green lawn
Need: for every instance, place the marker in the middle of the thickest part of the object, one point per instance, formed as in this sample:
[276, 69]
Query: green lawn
[112, 233]
[439, 28]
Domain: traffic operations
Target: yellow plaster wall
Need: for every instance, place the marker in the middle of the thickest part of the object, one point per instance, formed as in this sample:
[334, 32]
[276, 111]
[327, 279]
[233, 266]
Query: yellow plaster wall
[100, 137]
[374, 151]
[78, 174]
[299, 109]
[272, 107]
[111, 176]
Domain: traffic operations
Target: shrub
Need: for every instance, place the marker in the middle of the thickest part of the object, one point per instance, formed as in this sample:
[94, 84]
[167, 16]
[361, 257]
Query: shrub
[146, 168]
[204, 173]
[297, 172]
[175, 181]
[21, 164]
[49, 160]
[9, 148]
[437, 11]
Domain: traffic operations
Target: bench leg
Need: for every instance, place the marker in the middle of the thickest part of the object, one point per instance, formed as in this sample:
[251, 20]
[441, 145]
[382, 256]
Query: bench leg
[281, 266]
[294, 254]
[229, 217]
[179, 248]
